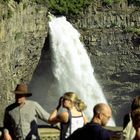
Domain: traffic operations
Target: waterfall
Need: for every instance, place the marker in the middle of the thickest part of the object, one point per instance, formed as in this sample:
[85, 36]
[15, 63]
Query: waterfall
[71, 64]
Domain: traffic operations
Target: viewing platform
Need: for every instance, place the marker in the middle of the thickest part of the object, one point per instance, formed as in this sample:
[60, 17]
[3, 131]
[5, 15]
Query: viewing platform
[52, 133]
[49, 133]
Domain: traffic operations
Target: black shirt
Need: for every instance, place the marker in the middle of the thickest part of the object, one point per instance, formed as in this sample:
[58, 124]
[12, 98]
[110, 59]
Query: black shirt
[90, 131]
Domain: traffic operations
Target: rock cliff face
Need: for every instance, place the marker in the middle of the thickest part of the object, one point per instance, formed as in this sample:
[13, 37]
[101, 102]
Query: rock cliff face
[111, 36]
[23, 28]
[114, 52]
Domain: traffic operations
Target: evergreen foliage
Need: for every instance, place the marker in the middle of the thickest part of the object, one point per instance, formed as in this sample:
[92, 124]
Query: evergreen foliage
[41, 2]
[110, 2]
[135, 2]
[72, 6]
[132, 30]
[6, 1]
[68, 7]
[107, 2]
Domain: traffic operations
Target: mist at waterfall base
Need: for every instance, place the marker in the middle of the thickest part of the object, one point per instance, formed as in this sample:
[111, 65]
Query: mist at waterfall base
[70, 69]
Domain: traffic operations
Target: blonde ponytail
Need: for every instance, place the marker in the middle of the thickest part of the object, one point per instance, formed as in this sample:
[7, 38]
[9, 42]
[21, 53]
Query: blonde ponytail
[79, 104]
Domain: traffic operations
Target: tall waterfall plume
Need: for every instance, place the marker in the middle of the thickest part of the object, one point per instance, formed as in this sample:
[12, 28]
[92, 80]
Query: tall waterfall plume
[71, 64]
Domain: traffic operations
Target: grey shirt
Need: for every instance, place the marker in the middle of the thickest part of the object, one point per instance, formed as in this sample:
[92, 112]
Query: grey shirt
[22, 121]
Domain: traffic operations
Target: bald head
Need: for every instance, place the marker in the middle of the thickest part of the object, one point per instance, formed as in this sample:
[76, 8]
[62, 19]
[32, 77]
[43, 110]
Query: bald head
[101, 107]
[102, 113]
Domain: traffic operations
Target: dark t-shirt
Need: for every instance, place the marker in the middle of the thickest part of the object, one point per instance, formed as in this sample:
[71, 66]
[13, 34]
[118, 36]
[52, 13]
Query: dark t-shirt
[90, 131]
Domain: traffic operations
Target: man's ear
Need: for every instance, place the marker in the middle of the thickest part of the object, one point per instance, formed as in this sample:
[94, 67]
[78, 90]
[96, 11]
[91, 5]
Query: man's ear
[100, 116]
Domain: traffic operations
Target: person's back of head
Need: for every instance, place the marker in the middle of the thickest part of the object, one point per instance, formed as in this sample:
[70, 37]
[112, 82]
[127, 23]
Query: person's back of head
[72, 96]
[136, 122]
[128, 129]
[102, 113]
[135, 103]
[136, 118]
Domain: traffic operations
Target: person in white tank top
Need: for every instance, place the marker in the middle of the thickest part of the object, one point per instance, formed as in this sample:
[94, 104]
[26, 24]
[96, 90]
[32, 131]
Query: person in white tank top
[70, 119]
[76, 122]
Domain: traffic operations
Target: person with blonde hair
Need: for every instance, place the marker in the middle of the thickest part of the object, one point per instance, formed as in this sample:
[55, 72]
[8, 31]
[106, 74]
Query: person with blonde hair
[70, 119]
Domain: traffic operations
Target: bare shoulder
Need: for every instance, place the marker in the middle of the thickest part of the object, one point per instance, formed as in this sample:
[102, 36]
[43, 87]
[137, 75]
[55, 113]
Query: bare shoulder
[64, 117]
[85, 118]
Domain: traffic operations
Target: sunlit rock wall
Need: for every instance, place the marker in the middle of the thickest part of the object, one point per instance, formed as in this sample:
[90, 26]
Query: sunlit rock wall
[112, 38]
[23, 28]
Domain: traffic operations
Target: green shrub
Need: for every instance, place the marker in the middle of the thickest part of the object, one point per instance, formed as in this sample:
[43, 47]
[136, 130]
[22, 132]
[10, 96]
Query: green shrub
[135, 2]
[108, 2]
[132, 30]
[18, 1]
[18, 35]
[68, 7]
[9, 13]
[24, 6]
[117, 1]
[4, 1]
[41, 2]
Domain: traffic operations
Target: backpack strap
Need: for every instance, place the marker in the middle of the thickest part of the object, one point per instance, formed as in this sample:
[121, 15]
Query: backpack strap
[65, 126]
[70, 119]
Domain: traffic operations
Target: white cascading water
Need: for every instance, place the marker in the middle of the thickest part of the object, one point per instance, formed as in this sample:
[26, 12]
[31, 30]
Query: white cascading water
[71, 64]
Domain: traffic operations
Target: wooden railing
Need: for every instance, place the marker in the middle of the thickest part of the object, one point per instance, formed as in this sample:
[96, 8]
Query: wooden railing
[49, 133]
[53, 133]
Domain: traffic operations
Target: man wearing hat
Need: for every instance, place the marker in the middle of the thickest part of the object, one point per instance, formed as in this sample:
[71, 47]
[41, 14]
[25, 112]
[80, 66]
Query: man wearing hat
[20, 120]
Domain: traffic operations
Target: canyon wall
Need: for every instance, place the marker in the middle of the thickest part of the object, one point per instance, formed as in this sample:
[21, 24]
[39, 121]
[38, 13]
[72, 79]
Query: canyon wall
[111, 36]
[23, 28]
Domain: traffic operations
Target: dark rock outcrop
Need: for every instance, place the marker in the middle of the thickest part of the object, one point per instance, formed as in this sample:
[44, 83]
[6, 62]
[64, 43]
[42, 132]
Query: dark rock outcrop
[23, 28]
[112, 38]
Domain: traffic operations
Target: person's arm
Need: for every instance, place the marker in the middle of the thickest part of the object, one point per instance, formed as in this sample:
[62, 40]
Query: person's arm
[6, 135]
[7, 124]
[42, 114]
[58, 118]
[55, 117]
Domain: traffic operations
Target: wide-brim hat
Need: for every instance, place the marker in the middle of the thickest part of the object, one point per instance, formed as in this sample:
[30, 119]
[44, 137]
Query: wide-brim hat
[22, 89]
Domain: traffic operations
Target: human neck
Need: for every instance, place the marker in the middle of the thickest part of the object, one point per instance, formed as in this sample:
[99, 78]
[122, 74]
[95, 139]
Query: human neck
[22, 102]
[96, 120]
[137, 137]
[73, 108]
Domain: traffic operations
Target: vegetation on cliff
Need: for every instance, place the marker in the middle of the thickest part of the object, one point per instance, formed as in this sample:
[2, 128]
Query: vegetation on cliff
[58, 7]
[68, 7]
[110, 2]
[132, 30]
[72, 7]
